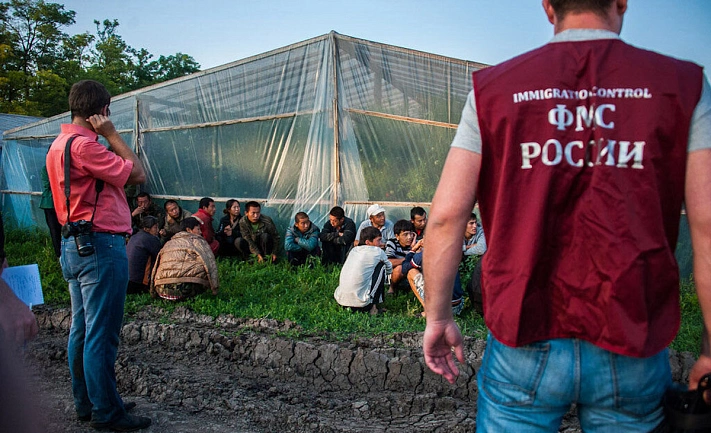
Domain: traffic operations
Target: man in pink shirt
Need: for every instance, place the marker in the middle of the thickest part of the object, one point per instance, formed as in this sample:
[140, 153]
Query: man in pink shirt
[96, 220]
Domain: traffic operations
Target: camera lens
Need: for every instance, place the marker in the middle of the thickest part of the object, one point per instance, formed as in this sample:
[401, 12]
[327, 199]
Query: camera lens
[84, 246]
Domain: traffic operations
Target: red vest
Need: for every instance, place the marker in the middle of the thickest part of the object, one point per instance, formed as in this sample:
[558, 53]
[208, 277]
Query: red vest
[584, 149]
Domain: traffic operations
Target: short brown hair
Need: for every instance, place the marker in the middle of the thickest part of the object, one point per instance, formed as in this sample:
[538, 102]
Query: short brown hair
[88, 97]
[563, 7]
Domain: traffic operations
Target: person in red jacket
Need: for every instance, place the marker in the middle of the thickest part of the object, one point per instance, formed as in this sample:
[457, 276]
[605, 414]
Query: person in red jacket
[205, 215]
[597, 143]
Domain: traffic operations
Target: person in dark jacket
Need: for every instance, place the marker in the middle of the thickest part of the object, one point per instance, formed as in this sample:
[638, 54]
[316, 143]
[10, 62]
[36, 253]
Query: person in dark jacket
[260, 232]
[142, 250]
[228, 233]
[337, 237]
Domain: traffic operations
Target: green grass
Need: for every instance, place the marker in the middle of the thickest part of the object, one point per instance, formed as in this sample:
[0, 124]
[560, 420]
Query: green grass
[689, 337]
[302, 295]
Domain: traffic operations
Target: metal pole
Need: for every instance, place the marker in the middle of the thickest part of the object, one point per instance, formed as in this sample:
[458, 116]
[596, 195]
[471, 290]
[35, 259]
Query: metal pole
[336, 129]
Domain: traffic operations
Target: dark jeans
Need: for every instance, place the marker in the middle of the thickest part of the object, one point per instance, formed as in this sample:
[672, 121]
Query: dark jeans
[237, 247]
[474, 290]
[298, 258]
[333, 253]
[265, 245]
[135, 288]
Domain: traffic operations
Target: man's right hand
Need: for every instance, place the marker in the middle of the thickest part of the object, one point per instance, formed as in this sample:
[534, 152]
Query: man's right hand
[700, 368]
[102, 125]
[443, 339]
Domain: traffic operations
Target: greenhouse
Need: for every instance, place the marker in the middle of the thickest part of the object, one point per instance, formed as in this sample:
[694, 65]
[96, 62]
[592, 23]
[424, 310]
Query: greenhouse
[332, 120]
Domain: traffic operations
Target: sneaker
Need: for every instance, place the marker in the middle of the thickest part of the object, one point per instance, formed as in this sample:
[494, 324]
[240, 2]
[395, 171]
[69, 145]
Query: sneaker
[457, 306]
[419, 281]
[125, 423]
[128, 406]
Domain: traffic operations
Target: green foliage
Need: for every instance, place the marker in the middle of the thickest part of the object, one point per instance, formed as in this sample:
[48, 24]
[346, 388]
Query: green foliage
[467, 267]
[39, 62]
[692, 322]
[302, 295]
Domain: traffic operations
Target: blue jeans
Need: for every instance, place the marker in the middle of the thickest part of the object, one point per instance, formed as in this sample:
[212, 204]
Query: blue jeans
[97, 285]
[530, 388]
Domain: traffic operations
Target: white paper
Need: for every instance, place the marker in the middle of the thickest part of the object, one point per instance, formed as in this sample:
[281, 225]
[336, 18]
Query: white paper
[25, 283]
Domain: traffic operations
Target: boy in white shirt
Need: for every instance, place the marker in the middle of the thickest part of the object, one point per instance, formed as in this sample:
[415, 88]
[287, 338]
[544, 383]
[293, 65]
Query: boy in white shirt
[362, 281]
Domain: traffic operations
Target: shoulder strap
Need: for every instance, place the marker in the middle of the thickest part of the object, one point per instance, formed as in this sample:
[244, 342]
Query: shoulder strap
[67, 165]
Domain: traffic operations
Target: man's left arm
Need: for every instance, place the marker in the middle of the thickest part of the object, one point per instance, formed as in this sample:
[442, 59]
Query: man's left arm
[698, 211]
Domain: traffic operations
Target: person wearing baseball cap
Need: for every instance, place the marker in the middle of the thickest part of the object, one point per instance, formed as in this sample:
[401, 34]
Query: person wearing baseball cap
[376, 218]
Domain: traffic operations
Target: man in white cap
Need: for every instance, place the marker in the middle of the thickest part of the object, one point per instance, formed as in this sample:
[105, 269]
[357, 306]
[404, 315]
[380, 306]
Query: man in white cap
[376, 218]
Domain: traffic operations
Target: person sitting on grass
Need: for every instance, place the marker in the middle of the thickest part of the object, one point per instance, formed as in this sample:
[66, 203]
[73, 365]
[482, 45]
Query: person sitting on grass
[412, 267]
[474, 240]
[473, 247]
[362, 281]
[145, 208]
[185, 266]
[205, 215]
[418, 216]
[174, 215]
[337, 237]
[260, 232]
[397, 248]
[229, 235]
[376, 218]
[301, 240]
[141, 251]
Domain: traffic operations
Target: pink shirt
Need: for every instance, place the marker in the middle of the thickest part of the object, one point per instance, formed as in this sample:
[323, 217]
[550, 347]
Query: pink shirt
[90, 161]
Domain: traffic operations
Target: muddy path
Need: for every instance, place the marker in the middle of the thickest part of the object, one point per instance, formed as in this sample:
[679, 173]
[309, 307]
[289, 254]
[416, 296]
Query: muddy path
[196, 374]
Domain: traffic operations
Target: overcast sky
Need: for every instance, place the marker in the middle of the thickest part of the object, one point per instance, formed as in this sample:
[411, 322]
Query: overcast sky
[216, 32]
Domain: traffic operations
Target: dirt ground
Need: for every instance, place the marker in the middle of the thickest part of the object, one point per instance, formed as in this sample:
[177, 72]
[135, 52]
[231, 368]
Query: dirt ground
[196, 374]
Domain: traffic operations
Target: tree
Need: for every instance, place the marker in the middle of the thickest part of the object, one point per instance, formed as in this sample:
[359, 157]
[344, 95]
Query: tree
[112, 58]
[33, 30]
[176, 66]
[39, 62]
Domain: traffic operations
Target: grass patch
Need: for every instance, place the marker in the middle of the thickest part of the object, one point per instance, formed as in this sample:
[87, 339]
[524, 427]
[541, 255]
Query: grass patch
[301, 295]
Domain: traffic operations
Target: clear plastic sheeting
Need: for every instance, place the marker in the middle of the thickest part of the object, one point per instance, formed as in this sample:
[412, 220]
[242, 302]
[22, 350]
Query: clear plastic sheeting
[333, 120]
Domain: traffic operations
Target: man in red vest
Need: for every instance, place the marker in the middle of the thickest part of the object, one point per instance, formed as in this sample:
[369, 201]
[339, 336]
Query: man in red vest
[597, 143]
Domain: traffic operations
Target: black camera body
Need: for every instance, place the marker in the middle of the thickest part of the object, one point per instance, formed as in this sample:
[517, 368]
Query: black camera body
[81, 230]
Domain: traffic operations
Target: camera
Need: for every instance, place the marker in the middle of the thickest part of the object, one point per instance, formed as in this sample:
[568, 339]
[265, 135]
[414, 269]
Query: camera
[687, 411]
[81, 230]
